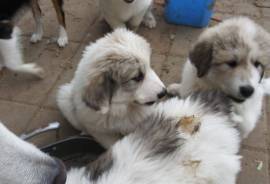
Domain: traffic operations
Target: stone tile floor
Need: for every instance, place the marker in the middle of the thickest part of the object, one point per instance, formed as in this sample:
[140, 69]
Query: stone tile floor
[26, 103]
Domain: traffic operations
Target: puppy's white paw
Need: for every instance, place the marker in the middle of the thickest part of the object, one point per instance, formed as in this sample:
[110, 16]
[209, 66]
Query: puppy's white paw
[36, 37]
[63, 38]
[34, 69]
[150, 22]
[174, 89]
[62, 41]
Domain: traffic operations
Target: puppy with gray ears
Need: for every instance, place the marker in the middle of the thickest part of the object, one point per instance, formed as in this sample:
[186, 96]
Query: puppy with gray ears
[113, 87]
[120, 13]
[230, 57]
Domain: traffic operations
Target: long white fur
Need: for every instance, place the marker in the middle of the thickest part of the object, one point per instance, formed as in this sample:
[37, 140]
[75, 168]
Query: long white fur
[210, 156]
[23, 163]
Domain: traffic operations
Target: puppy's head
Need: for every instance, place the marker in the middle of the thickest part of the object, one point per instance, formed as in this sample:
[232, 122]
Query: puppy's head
[121, 75]
[231, 57]
[22, 163]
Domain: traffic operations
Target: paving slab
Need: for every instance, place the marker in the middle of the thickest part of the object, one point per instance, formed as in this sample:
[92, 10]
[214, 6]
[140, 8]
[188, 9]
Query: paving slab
[16, 116]
[14, 87]
[41, 119]
[254, 167]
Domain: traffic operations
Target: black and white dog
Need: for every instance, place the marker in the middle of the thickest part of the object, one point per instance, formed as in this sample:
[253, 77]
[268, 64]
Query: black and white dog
[11, 56]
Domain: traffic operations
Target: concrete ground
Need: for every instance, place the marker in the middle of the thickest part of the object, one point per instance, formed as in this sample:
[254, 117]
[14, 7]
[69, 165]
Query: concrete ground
[26, 103]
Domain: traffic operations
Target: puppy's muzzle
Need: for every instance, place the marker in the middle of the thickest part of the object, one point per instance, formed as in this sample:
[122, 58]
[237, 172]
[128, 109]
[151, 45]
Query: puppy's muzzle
[162, 93]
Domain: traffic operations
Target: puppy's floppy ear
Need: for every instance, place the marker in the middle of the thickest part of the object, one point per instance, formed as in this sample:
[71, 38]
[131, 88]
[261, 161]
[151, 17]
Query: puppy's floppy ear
[99, 92]
[201, 57]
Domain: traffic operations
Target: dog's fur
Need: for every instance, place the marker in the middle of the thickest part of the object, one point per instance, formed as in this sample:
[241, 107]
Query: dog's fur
[230, 57]
[187, 141]
[168, 149]
[112, 87]
[131, 13]
[22, 163]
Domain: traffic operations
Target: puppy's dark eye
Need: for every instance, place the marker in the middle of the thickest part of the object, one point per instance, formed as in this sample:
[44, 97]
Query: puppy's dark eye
[232, 64]
[139, 77]
[257, 64]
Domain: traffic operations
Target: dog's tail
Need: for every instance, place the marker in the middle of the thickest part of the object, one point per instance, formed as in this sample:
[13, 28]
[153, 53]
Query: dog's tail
[64, 102]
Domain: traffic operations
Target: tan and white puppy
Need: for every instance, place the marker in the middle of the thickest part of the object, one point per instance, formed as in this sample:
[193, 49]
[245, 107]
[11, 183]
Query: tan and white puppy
[112, 88]
[120, 13]
[230, 57]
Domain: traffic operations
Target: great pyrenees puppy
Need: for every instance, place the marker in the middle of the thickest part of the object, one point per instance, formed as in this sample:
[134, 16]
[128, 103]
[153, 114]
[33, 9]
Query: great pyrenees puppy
[113, 87]
[120, 13]
[230, 57]
[23, 163]
[191, 141]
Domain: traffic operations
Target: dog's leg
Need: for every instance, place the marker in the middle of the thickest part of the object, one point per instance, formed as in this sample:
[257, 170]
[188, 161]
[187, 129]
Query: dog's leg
[64, 102]
[135, 22]
[63, 37]
[12, 56]
[149, 19]
[174, 89]
[38, 34]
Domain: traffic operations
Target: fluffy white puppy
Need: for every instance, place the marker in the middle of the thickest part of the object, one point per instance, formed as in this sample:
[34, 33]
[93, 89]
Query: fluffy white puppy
[119, 13]
[189, 141]
[112, 88]
[23, 163]
[230, 57]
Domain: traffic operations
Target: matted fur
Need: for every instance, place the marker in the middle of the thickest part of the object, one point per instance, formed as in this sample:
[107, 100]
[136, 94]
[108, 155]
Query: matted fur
[112, 86]
[122, 13]
[162, 151]
[230, 57]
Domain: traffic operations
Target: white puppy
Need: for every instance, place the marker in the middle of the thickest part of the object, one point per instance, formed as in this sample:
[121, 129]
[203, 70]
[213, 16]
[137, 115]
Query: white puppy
[190, 141]
[112, 88]
[23, 163]
[119, 13]
[230, 57]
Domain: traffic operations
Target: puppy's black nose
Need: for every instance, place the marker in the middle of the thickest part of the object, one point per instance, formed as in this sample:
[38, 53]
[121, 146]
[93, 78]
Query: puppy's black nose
[162, 94]
[246, 91]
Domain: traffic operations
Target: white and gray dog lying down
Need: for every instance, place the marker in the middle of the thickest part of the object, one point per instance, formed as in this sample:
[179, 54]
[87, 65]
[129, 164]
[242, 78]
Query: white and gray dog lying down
[113, 87]
[230, 57]
[186, 141]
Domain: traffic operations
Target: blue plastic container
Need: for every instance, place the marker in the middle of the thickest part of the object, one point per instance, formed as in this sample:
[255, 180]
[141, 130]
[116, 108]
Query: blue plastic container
[195, 13]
